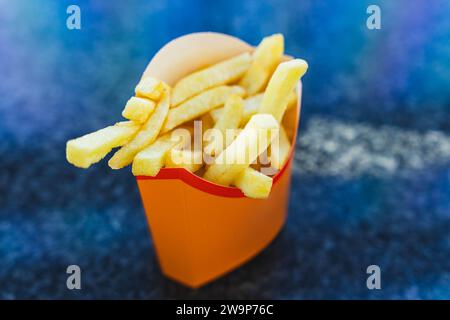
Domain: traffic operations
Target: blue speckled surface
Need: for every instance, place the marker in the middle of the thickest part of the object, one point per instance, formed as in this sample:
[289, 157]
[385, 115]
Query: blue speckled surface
[372, 172]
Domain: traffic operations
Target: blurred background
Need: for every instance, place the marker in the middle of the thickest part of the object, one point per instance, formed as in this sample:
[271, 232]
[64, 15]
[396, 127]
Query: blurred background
[372, 170]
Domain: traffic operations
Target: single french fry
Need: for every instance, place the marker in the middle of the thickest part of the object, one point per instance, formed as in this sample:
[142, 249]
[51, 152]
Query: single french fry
[251, 141]
[292, 99]
[251, 107]
[92, 147]
[149, 132]
[150, 160]
[150, 88]
[279, 150]
[283, 81]
[199, 105]
[207, 122]
[253, 183]
[138, 109]
[216, 113]
[266, 57]
[229, 119]
[221, 73]
[187, 159]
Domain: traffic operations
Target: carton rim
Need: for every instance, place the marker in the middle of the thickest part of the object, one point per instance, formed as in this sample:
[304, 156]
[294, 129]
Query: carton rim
[207, 186]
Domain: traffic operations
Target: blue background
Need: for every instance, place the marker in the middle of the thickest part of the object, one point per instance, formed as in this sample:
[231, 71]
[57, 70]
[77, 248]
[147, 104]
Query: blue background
[372, 177]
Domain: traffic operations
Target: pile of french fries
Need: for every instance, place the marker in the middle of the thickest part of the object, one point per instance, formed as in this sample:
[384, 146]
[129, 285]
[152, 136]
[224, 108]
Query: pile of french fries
[230, 112]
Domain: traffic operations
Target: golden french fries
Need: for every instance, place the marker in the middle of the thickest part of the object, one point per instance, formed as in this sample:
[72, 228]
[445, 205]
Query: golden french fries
[224, 72]
[216, 113]
[282, 83]
[292, 99]
[207, 122]
[251, 141]
[240, 138]
[150, 88]
[229, 119]
[251, 107]
[93, 147]
[253, 183]
[145, 136]
[279, 150]
[199, 105]
[266, 57]
[150, 160]
[187, 159]
[138, 109]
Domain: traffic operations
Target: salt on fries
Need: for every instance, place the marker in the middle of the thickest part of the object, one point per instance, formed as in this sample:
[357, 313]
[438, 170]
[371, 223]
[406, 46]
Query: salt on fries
[240, 104]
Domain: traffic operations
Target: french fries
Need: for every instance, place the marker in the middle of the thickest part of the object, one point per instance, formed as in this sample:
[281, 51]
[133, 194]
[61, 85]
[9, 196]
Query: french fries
[150, 88]
[251, 107]
[245, 105]
[229, 119]
[253, 183]
[279, 150]
[150, 160]
[219, 74]
[251, 141]
[187, 159]
[145, 136]
[266, 57]
[215, 114]
[207, 122]
[199, 105]
[292, 99]
[283, 81]
[91, 148]
[138, 109]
